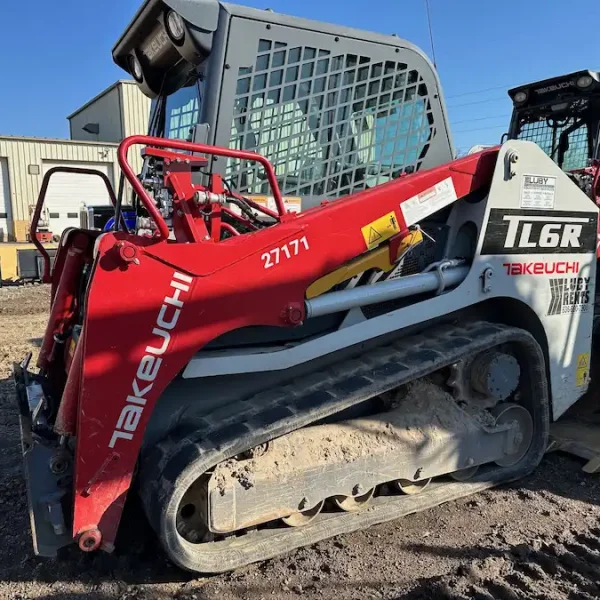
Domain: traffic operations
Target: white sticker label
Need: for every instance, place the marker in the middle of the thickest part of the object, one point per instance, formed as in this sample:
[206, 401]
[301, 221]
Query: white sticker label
[429, 201]
[292, 204]
[538, 191]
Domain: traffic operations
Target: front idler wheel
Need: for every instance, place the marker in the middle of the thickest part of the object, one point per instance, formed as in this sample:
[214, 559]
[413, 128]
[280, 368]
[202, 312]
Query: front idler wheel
[508, 413]
[191, 515]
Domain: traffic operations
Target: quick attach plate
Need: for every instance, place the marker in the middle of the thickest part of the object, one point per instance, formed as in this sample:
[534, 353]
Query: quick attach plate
[44, 493]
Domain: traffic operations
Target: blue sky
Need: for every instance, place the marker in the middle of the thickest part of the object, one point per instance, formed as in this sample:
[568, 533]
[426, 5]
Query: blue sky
[57, 55]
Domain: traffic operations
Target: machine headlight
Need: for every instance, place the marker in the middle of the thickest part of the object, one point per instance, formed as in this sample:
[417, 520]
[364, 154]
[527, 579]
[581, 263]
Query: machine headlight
[136, 68]
[585, 81]
[175, 26]
[520, 97]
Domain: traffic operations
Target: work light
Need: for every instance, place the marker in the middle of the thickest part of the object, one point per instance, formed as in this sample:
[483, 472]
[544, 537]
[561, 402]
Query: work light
[520, 97]
[136, 68]
[585, 81]
[175, 27]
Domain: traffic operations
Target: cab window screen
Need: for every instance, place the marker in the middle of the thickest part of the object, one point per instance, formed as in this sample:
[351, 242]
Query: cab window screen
[546, 134]
[330, 124]
[182, 112]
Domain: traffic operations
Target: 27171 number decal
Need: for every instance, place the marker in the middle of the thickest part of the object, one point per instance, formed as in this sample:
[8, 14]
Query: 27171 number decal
[289, 250]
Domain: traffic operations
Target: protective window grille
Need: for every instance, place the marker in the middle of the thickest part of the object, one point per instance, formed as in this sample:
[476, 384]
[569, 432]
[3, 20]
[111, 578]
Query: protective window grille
[330, 124]
[547, 138]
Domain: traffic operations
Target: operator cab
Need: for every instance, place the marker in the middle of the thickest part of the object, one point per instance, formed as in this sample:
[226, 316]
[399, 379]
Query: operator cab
[335, 110]
[562, 116]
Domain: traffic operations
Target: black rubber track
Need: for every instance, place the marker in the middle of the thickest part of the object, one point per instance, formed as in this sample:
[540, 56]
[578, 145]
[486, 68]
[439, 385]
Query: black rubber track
[196, 447]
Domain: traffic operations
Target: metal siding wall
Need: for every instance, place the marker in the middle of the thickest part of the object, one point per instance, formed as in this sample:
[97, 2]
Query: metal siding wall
[24, 188]
[136, 109]
[6, 226]
[136, 112]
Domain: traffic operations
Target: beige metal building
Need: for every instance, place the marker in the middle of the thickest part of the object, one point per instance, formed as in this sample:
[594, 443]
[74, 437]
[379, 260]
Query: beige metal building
[23, 164]
[116, 113]
[95, 130]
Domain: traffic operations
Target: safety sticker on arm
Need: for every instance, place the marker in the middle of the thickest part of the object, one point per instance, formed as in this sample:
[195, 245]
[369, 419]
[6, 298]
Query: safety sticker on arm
[428, 201]
[381, 229]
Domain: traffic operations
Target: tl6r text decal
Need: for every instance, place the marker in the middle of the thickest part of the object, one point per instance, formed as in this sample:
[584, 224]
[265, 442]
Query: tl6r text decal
[511, 231]
[569, 295]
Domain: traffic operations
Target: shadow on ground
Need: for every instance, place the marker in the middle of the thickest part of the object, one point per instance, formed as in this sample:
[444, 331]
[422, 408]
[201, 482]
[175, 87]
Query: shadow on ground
[354, 566]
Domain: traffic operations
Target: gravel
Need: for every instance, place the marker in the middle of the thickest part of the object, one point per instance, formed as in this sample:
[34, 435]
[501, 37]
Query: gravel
[538, 538]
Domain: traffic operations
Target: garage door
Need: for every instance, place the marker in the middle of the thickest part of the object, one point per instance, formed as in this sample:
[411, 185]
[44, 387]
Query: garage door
[69, 193]
[4, 201]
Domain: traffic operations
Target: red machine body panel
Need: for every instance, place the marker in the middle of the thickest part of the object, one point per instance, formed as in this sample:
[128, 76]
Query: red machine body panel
[151, 305]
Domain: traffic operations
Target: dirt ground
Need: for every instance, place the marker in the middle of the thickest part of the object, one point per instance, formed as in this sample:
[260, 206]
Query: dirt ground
[539, 538]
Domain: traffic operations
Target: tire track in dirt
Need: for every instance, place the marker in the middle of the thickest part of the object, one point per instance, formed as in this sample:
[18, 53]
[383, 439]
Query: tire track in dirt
[565, 567]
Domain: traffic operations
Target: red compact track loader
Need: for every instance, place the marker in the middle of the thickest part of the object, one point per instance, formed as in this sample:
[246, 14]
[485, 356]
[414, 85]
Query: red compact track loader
[264, 378]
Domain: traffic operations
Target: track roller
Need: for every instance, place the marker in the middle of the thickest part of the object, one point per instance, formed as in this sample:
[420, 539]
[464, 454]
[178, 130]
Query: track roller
[353, 503]
[410, 488]
[304, 517]
[465, 474]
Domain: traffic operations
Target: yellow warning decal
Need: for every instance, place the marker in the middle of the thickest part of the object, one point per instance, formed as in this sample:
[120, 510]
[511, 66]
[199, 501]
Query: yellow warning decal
[380, 230]
[583, 369]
